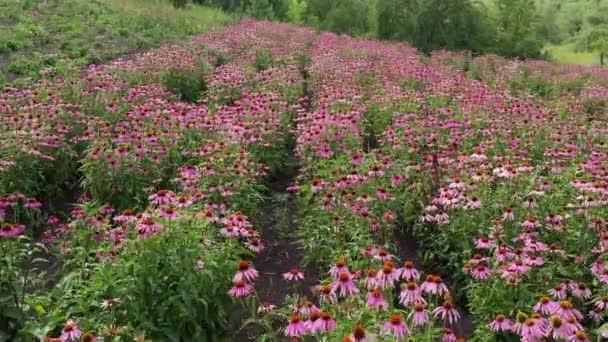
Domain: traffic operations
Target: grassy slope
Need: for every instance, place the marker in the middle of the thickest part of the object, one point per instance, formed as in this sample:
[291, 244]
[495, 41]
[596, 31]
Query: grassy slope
[566, 53]
[35, 34]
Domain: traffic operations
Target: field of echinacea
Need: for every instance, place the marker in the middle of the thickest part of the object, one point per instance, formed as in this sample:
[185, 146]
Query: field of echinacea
[269, 182]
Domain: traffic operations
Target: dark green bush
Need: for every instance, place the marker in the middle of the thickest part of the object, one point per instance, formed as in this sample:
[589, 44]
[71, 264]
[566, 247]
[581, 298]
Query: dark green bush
[263, 60]
[188, 85]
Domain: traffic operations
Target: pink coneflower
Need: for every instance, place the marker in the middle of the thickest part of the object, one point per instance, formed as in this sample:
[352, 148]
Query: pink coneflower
[408, 271]
[147, 226]
[582, 291]
[508, 215]
[293, 187]
[531, 330]
[446, 312]
[410, 293]
[325, 322]
[500, 323]
[88, 337]
[255, 245]
[579, 336]
[565, 309]
[32, 203]
[70, 332]
[293, 274]
[448, 335]
[561, 328]
[376, 300]
[545, 306]
[8, 230]
[126, 216]
[484, 243]
[106, 209]
[344, 284]
[601, 303]
[339, 266]
[5, 202]
[419, 315]
[327, 294]
[481, 272]
[370, 279]
[245, 271]
[559, 291]
[396, 327]
[296, 327]
[53, 219]
[161, 197]
[168, 212]
[383, 255]
[433, 284]
[240, 288]
[359, 333]
[265, 307]
[387, 275]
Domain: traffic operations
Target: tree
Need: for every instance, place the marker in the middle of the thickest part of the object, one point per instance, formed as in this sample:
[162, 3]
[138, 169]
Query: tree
[397, 19]
[517, 21]
[260, 9]
[449, 24]
[348, 16]
[296, 11]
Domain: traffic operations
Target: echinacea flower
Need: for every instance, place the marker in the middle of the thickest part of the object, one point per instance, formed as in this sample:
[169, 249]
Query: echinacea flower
[8, 230]
[433, 284]
[344, 284]
[240, 288]
[448, 335]
[327, 294]
[410, 293]
[32, 203]
[70, 332]
[446, 312]
[255, 245]
[376, 300]
[245, 271]
[387, 275]
[359, 333]
[88, 337]
[419, 315]
[396, 327]
[500, 323]
[293, 274]
[265, 307]
[296, 327]
[161, 197]
[339, 266]
[325, 323]
[545, 306]
[408, 271]
[561, 328]
[481, 272]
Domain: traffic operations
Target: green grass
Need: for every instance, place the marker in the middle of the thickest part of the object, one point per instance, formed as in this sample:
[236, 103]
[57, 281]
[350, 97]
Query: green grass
[566, 53]
[63, 34]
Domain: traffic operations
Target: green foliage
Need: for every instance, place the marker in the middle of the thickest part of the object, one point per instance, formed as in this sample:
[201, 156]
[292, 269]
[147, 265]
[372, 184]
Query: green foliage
[170, 285]
[261, 9]
[296, 11]
[179, 3]
[263, 60]
[186, 84]
[348, 16]
[451, 24]
[397, 19]
[30, 31]
[516, 23]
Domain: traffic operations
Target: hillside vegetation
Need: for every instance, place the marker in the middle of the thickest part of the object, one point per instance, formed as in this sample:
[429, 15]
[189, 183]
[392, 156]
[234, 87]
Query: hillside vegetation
[48, 36]
[562, 30]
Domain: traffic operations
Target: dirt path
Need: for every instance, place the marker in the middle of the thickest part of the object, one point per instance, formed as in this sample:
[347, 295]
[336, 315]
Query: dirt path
[408, 249]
